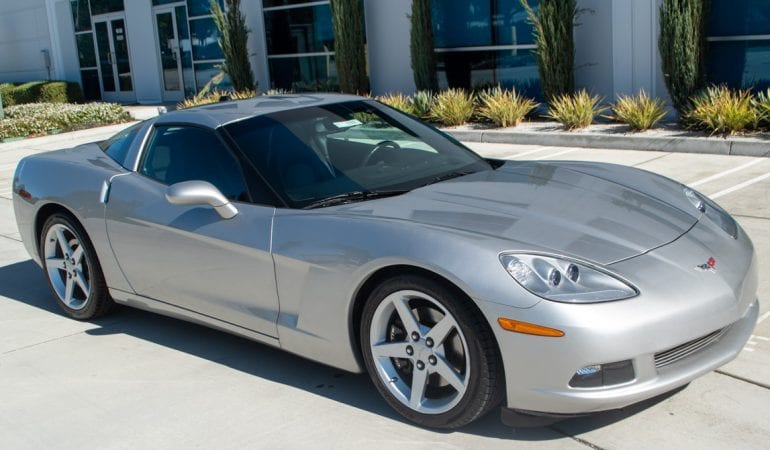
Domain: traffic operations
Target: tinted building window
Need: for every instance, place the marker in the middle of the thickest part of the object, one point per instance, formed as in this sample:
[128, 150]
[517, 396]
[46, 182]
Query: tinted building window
[739, 43]
[204, 39]
[299, 30]
[86, 52]
[300, 45]
[106, 6]
[90, 80]
[485, 43]
[200, 7]
[81, 15]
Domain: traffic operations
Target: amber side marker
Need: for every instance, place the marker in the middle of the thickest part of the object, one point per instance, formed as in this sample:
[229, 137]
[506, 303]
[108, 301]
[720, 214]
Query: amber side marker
[528, 328]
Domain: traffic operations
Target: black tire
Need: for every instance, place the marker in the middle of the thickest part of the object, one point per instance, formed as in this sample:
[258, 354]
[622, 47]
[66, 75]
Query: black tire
[98, 301]
[485, 385]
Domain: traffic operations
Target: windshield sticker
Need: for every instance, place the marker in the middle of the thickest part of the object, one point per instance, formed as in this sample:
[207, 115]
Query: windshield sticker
[347, 123]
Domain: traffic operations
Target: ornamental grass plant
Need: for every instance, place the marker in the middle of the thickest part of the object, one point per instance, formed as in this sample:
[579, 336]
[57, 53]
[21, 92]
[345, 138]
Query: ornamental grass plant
[575, 111]
[453, 107]
[641, 112]
[214, 96]
[721, 110]
[398, 101]
[504, 108]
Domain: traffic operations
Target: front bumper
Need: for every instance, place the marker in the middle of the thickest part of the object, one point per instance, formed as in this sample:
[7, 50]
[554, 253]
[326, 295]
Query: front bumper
[677, 305]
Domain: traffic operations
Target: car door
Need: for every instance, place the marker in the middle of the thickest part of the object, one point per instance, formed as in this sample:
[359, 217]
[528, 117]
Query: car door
[189, 256]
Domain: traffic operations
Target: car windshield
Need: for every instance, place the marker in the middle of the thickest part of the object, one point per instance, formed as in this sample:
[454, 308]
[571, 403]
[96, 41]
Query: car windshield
[350, 151]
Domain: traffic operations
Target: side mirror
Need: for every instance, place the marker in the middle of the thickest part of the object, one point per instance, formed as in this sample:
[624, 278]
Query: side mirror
[200, 193]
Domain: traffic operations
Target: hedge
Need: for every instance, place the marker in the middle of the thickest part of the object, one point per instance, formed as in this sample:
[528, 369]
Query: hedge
[40, 92]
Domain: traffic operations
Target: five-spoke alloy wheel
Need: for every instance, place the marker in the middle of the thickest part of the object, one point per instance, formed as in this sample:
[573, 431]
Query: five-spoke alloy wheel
[73, 272]
[429, 352]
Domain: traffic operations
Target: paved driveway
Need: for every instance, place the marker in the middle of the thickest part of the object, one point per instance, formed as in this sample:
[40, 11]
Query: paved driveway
[137, 380]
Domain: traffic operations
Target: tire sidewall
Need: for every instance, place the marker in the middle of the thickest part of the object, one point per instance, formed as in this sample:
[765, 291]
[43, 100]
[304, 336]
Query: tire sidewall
[475, 357]
[92, 304]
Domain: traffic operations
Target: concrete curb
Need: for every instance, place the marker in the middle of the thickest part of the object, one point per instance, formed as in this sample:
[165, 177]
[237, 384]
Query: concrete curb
[677, 144]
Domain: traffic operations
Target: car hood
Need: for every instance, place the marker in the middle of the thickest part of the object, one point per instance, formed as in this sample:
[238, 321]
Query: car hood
[598, 212]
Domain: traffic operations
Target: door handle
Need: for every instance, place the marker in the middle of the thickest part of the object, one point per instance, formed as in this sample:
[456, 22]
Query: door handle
[109, 58]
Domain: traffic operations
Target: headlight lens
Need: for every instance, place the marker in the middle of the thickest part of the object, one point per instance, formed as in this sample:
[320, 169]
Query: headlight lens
[562, 280]
[713, 211]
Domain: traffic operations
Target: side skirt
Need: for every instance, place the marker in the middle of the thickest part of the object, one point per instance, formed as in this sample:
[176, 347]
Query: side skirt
[165, 309]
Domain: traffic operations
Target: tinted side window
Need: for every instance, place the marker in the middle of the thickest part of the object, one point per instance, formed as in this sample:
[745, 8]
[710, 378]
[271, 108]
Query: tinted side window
[117, 146]
[176, 154]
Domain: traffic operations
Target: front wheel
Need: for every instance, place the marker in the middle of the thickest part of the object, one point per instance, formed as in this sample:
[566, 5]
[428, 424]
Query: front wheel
[429, 353]
[72, 269]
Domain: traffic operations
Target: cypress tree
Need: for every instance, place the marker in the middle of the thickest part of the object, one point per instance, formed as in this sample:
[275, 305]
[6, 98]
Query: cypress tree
[233, 37]
[553, 24]
[421, 46]
[682, 46]
[349, 50]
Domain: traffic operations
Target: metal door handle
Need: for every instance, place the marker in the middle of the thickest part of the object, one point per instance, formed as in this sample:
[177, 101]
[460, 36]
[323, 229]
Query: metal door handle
[109, 58]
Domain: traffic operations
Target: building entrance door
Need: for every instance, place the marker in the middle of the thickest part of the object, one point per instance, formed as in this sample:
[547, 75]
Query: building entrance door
[174, 52]
[115, 78]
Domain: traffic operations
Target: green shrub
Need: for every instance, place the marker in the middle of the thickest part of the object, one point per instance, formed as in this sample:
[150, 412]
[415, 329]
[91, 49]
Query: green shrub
[576, 110]
[234, 35]
[504, 108]
[682, 47]
[453, 107]
[639, 111]
[349, 45]
[422, 104]
[762, 105]
[39, 118]
[553, 24]
[721, 110]
[214, 96]
[421, 46]
[398, 101]
[40, 92]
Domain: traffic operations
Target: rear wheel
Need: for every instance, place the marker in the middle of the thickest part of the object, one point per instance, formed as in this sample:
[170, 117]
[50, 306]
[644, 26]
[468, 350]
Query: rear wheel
[73, 272]
[429, 353]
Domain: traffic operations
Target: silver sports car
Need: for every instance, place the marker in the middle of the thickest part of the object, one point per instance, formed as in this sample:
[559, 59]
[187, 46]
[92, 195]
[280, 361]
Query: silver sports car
[339, 229]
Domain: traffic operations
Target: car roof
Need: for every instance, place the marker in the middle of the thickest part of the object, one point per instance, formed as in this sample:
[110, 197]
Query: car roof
[217, 114]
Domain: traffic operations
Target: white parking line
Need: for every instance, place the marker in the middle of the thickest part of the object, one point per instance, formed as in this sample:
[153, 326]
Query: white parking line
[740, 186]
[542, 149]
[727, 172]
[558, 153]
[763, 317]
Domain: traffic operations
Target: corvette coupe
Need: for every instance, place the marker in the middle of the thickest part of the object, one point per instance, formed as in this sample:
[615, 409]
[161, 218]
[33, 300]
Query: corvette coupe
[344, 231]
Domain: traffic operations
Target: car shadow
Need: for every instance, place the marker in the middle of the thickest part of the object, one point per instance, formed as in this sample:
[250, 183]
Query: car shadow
[24, 282]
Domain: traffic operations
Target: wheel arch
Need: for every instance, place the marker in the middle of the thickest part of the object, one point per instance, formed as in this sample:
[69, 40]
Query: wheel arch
[46, 211]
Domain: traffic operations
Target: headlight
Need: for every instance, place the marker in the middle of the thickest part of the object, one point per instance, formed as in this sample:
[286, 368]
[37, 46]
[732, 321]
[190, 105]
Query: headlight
[713, 211]
[563, 280]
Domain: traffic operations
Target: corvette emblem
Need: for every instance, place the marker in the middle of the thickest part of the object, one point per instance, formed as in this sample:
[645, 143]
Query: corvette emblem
[709, 265]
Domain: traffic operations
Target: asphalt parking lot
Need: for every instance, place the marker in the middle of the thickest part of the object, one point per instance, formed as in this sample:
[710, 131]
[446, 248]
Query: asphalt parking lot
[138, 380]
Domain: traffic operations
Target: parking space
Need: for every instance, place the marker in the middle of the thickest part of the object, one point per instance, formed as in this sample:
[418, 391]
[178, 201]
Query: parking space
[138, 380]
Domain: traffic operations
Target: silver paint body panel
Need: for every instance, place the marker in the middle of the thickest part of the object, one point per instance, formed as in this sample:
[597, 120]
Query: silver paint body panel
[290, 277]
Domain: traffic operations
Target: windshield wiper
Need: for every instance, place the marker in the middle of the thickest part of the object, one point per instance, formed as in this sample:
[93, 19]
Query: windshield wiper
[355, 196]
[449, 176]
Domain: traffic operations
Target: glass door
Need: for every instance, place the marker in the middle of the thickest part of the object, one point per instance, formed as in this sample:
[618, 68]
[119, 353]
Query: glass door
[114, 65]
[174, 52]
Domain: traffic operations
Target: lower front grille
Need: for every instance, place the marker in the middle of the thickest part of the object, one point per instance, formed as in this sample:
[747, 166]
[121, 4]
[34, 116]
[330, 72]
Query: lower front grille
[680, 352]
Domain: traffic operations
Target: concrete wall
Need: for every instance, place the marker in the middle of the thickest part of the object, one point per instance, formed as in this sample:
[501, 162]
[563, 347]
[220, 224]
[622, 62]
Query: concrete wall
[594, 47]
[23, 34]
[387, 35]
